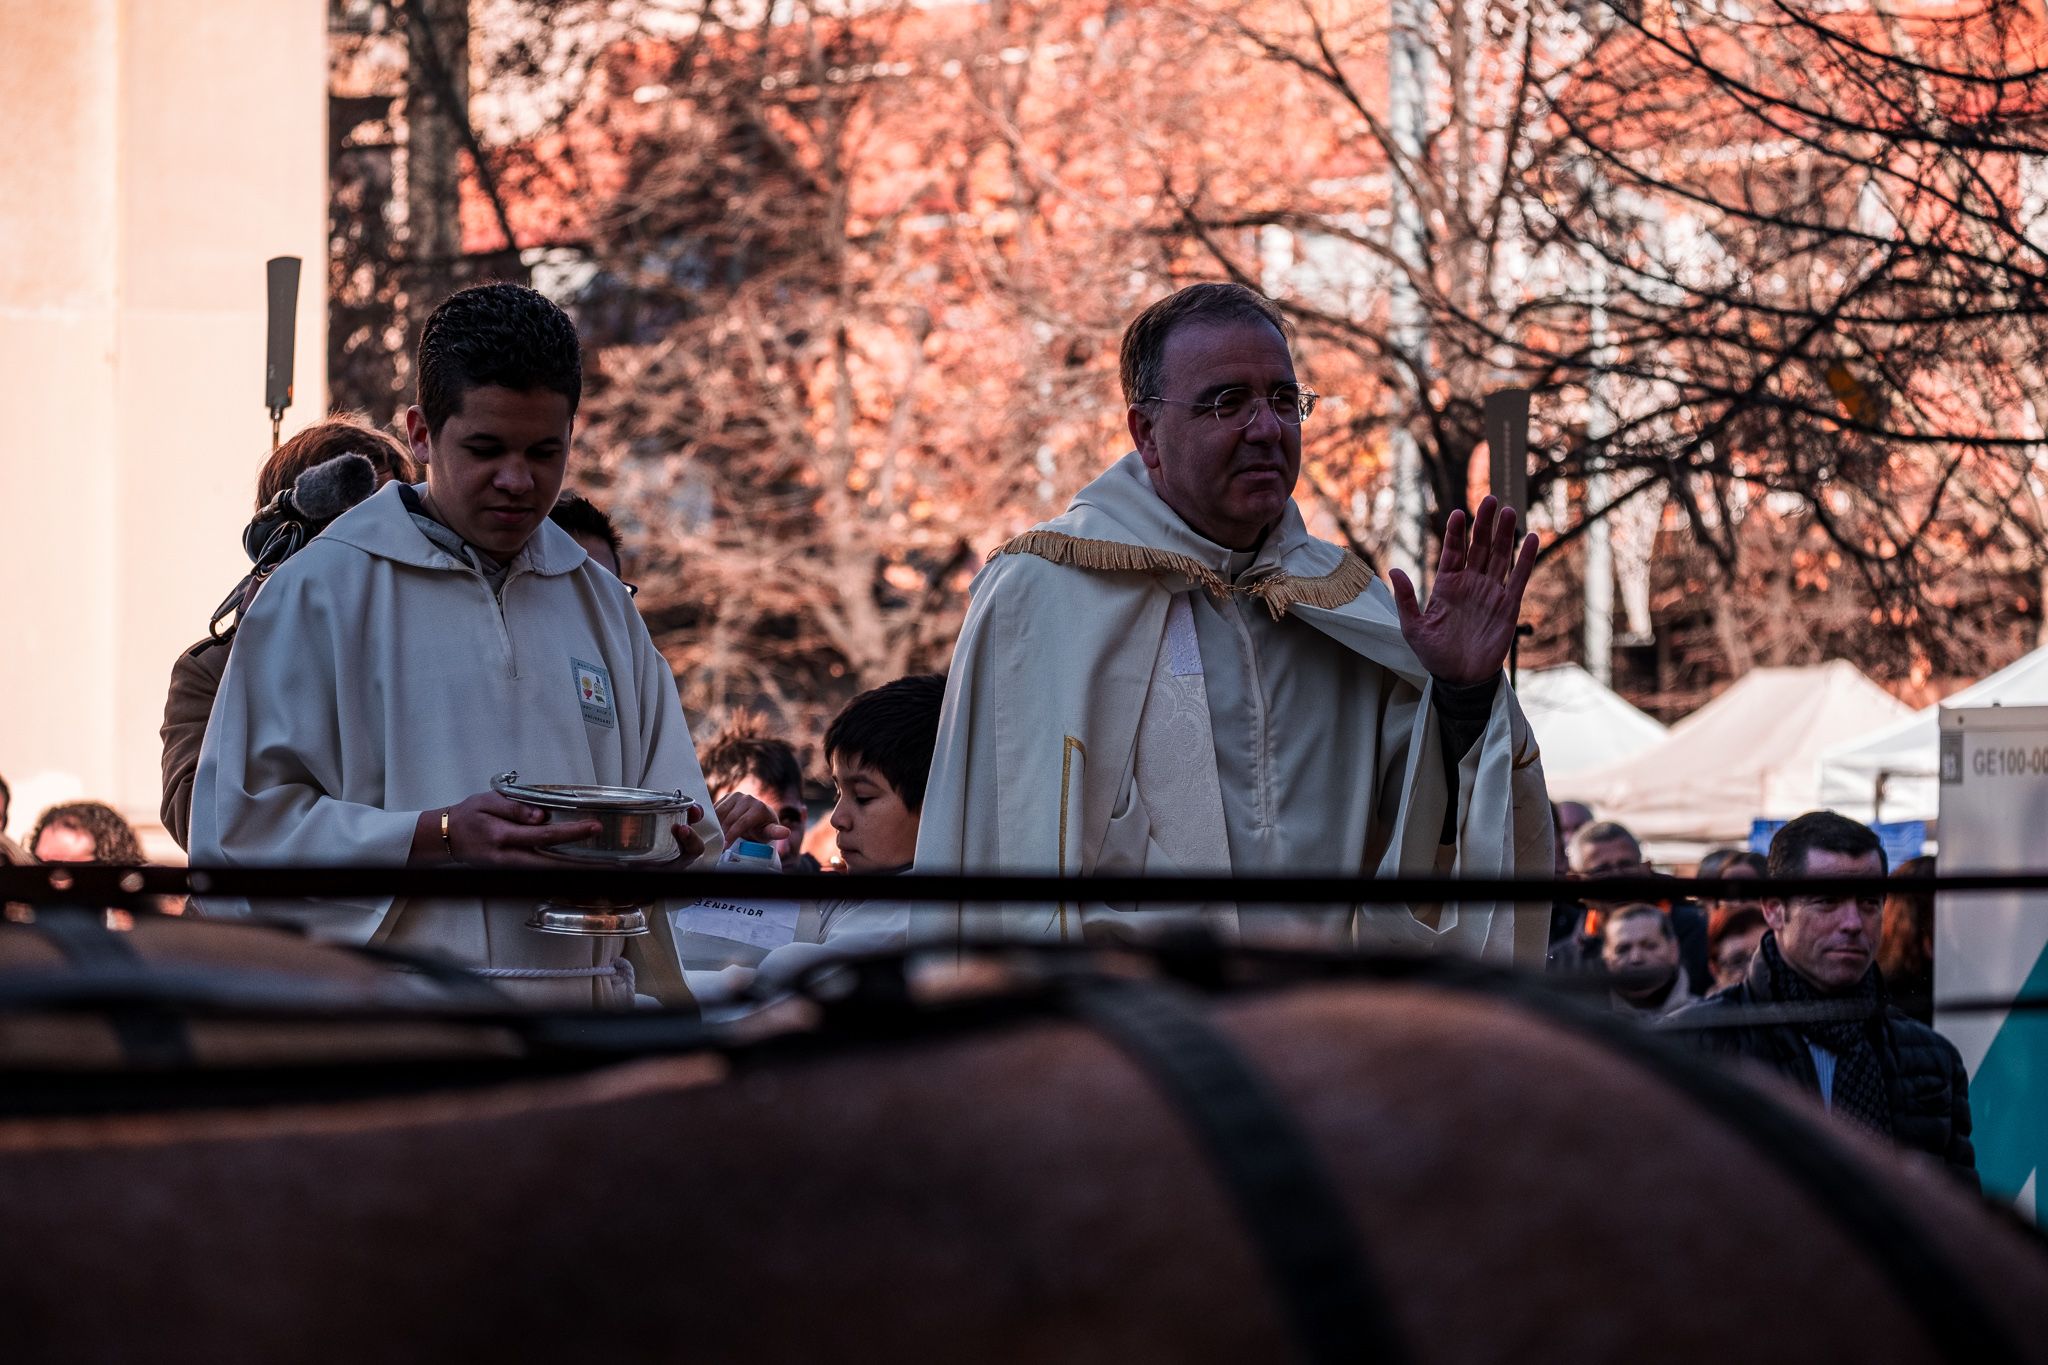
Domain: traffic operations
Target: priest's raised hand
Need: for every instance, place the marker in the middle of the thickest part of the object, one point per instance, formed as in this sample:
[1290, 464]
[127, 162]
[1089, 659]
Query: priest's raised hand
[1462, 636]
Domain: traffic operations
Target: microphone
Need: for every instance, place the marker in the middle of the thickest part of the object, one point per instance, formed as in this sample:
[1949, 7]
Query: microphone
[290, 519]
[316, 497]
[327, 490]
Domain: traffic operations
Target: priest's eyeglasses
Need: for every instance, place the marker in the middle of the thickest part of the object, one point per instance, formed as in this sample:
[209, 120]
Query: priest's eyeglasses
[1239, 408]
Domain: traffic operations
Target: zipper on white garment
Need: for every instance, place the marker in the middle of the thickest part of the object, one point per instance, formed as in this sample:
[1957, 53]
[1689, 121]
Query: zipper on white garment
[505, 626]
[1262, 741]
[469, 561]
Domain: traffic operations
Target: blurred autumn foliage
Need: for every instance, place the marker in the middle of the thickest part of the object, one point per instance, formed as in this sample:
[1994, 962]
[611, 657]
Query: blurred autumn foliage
[852, 278]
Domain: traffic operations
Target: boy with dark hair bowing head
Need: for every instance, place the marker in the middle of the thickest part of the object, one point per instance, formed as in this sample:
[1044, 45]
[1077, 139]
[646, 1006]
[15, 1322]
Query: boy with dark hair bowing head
[434, 636]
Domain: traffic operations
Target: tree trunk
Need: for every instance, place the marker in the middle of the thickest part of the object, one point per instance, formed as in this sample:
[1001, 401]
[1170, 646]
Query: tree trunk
[436, 110]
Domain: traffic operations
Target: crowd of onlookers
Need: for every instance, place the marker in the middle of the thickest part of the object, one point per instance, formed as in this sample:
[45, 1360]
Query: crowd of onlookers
[1667, 954]
[1834, 991]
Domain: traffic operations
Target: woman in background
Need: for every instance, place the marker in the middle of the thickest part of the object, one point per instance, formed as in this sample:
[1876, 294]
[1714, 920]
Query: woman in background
[195, 677]
[1905, 944]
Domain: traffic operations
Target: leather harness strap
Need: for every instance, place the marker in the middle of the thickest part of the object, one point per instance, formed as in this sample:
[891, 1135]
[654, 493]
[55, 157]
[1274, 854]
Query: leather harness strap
[1282, 1192]
[152, 1037]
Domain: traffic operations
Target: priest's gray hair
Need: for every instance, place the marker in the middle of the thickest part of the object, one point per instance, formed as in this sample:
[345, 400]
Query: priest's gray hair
[1144, 347]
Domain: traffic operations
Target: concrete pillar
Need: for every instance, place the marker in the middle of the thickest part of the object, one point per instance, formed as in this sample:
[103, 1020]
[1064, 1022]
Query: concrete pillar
[156, 155]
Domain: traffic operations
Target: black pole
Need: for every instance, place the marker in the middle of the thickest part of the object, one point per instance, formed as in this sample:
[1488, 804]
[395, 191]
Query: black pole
[283, 273]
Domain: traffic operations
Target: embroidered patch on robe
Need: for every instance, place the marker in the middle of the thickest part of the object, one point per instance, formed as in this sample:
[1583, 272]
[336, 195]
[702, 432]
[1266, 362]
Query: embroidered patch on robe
[594, 692]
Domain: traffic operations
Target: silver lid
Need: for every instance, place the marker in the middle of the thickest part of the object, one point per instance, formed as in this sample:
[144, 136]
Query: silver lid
[572, 796]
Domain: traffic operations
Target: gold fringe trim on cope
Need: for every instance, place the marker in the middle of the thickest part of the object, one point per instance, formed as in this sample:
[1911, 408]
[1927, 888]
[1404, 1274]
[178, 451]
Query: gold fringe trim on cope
[1109, 556]
[1332, 590]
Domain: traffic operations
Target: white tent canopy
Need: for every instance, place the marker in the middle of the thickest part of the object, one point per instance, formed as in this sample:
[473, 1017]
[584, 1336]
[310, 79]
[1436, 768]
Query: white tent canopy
[1751, 753]
[1905, 755]
[1580, 723]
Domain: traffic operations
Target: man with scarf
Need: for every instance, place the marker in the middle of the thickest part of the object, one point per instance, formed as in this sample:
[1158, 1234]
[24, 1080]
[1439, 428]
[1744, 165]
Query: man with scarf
[1866, 1059]
[1175, 677]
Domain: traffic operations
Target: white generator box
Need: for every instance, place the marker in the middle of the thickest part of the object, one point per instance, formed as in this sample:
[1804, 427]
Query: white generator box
[1993, 946]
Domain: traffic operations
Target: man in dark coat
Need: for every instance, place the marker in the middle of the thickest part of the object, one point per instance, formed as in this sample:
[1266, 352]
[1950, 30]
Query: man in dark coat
[1867, 1060]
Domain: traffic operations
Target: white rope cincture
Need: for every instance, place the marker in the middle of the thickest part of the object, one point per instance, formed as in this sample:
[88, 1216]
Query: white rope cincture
[549, 973]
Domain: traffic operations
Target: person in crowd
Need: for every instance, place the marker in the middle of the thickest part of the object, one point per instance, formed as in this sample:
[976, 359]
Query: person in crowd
[92, 832]
[1905, 943]
[1733, 931]
[1734, 923]
[591, 527]
[1867, 1061]
[439, 633]
[740, 758]
[84, 832]
[1175, 676]
[11, 853]
[195, 676]
[1639, 949]
[1572, 816]
[1735, 865]
[1606, 849]
[1567, 911]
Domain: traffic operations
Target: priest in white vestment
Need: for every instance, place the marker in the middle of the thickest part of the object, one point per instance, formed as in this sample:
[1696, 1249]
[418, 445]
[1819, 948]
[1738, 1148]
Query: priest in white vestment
[1175, 677]
[433, 637]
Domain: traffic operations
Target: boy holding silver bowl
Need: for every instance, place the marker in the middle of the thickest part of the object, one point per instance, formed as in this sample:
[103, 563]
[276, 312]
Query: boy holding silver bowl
[440, 635]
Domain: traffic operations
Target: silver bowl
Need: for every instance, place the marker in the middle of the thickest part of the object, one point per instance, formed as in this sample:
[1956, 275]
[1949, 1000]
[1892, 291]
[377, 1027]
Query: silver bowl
[635, 826]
